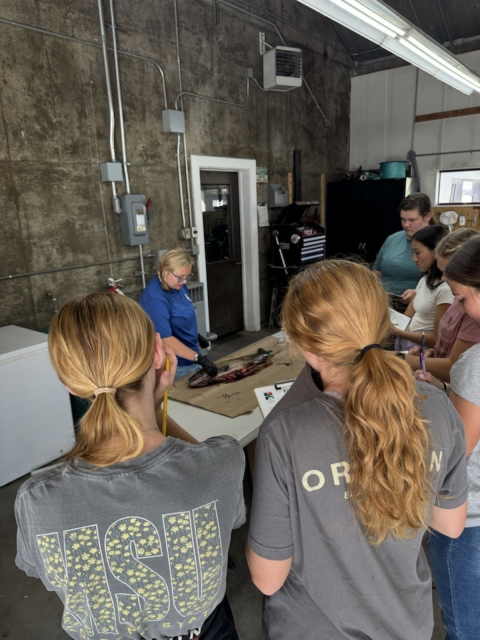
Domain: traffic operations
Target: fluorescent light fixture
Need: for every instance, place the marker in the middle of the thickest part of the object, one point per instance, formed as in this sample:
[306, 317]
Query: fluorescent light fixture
[377, 22]
[441, 66]
[469, 78]
[381, 26]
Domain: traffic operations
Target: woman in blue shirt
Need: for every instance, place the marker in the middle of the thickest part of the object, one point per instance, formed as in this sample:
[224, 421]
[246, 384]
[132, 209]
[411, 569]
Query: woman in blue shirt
[394, 261]
[168, 304]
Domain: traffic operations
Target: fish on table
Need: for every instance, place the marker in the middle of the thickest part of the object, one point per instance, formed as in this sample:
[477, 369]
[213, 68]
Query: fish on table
[232, 370]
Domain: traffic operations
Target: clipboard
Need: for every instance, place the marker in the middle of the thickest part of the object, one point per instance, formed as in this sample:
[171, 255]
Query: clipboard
[400, 320]
[268, 397]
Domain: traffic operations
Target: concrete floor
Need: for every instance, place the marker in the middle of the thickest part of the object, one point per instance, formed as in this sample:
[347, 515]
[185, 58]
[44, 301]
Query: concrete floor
[29, 612]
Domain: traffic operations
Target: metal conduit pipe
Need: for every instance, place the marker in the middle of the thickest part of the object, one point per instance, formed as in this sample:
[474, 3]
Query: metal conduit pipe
[326, 121]
[116, 205]
[187, 178]
[119, 98]
[122, 123]
[77, 266]
[179, 161]
[45, 32]
[180, 183]
[197, 95]
[104, 48]
[446, 153]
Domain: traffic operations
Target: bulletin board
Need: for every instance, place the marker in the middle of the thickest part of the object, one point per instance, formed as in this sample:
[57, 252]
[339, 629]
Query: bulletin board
[471, 214]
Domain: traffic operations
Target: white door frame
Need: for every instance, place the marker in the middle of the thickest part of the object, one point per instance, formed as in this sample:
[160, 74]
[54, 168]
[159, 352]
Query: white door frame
[247, 193]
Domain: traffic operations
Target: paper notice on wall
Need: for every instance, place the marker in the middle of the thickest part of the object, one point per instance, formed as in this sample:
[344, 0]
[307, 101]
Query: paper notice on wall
[262, 211]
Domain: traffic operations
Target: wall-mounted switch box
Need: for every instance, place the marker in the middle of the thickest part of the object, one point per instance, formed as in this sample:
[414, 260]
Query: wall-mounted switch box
[173, 121]
[133, 220]
[461, 221]
[111, 171]
[277, 196]
[187, 234]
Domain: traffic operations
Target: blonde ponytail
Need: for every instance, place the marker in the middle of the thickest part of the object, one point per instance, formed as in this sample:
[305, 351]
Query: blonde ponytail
[387, 444]
[97, 341]
[334, 309]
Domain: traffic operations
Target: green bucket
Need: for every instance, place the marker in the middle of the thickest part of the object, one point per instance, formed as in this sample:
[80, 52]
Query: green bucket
[393, 169]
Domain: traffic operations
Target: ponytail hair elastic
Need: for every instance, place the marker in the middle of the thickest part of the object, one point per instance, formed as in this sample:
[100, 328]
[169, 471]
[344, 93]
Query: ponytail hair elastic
[100, 390]
[367, 348]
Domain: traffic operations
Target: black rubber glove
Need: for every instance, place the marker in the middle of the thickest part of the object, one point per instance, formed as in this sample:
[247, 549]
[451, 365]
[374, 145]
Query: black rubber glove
[209, 367]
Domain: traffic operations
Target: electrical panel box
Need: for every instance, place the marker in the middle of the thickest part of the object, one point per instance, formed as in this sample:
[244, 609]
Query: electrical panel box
[111, 171]
[277, 196]
[173, 121]
[133, 220]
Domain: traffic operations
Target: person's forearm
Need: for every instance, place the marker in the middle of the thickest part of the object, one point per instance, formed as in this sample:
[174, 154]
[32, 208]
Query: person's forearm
[179, 348]
[377, 273]
[439, 367]
[416, 336]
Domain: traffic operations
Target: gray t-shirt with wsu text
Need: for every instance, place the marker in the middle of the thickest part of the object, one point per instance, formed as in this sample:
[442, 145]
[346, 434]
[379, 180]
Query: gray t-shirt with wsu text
[137, 549]
[340, 586]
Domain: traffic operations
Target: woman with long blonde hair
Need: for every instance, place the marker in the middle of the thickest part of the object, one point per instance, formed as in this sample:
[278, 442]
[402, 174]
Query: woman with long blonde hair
[132, 531]
[351, 468]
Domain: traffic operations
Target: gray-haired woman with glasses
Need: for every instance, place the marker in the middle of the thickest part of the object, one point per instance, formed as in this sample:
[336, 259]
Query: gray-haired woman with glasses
[167, 302]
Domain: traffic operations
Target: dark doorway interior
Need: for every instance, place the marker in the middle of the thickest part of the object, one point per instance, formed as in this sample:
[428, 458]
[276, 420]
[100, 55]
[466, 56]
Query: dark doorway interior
[221, 224]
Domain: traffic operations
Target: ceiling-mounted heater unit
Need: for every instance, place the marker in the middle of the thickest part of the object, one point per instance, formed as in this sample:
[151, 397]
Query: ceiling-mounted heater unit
[282, 68]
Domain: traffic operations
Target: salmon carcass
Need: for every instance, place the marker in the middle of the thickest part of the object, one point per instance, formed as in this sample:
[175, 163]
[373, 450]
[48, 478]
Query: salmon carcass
[232, 370]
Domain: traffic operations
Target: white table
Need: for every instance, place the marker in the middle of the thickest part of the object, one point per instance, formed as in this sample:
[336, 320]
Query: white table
[203, 424]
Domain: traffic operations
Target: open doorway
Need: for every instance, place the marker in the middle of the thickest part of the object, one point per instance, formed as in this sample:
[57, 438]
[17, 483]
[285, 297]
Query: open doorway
[245, 169]
[223, 256]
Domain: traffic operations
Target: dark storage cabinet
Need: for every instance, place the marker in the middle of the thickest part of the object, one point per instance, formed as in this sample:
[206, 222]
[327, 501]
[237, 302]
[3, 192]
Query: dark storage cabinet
[361, 215]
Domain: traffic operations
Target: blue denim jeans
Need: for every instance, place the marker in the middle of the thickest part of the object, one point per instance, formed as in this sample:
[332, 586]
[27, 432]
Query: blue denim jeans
[186, 369]
[455, 567]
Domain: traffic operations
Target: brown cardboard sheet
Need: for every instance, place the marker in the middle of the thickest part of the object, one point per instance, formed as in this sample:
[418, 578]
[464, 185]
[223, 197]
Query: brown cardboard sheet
[232, 399]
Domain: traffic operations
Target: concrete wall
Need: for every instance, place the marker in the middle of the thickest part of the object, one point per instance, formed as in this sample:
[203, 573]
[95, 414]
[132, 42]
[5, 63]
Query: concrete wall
[56, 213]
[383, 114]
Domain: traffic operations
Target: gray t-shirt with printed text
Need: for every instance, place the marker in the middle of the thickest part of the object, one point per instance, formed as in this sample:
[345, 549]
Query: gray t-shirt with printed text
[340, 586]
[137, 549]
[465, 381]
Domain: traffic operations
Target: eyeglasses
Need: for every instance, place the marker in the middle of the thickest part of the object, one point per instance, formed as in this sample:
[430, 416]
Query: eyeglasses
[181, 279]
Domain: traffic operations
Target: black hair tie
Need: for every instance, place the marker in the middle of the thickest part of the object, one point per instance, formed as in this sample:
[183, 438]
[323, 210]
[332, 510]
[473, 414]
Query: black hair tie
[367, 348]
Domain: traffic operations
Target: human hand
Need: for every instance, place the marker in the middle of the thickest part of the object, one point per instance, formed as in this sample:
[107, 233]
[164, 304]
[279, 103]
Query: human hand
[408, 295]
[208, 365]
[164, 379]
[394, 330]
[427, 377]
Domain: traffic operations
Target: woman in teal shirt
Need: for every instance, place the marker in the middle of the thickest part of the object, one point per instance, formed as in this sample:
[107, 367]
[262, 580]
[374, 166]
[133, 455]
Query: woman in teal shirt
[394, 263]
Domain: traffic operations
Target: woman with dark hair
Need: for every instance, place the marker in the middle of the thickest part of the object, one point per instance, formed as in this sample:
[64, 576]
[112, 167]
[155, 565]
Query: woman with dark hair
[433, 297]
[132, 531]
[393, 264]
[351, 467]
[456, 562]
[457, 331]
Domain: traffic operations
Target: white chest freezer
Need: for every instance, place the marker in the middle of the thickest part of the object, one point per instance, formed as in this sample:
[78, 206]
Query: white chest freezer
[36, 424]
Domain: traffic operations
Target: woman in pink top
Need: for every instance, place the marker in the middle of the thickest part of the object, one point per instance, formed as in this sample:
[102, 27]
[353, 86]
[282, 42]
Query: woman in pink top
[457, 332]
